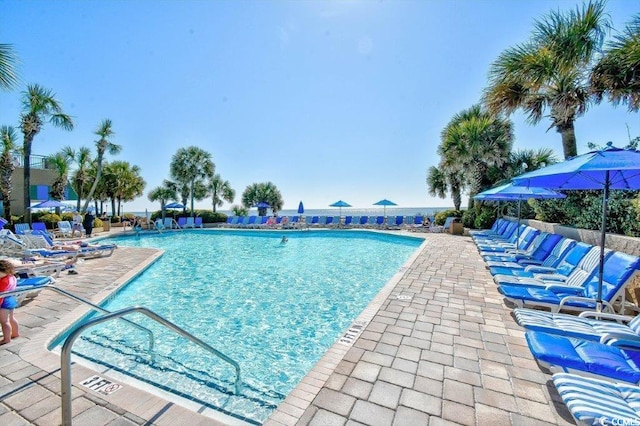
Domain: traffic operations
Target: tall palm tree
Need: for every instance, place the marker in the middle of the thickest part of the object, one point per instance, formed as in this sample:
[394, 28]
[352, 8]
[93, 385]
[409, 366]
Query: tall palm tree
[472, 142]
[440, 181]
[163, 194]
[189, 167]
[528, 160]
[220, 191]
[103, 146]
[39, 105]
[8, 63]
[265, 192]
[124, 182]
[61, 163]
[9, 140]
[548, 73]
[81, 176]
[617, 74]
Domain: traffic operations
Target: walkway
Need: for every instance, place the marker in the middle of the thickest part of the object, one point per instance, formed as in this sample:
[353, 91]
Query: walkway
[442, 349]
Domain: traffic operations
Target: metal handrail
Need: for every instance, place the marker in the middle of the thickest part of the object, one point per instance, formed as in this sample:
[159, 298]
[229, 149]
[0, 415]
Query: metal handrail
[26, 289]
[65, 360]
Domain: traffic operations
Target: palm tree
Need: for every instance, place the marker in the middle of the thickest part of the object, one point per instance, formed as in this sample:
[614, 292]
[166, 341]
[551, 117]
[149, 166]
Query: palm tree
[262, 193]
[9, 140]
[473, 142]
[617, 74]
[39, 105]
[103, 145]
[220, 191]
[60, 162]
[8, 62]
[81, 176]
[124, 182]
[189, 166]
[163, 194]
[548, 72]
[441, 180]
[528, 160]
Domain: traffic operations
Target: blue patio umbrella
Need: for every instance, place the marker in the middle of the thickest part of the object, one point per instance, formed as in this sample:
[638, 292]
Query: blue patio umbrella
[174, 206]
[48, 205]
[509, 192]
[606, 169]
[340, 204]
[385, 203]
[263, 205]
[300, 208]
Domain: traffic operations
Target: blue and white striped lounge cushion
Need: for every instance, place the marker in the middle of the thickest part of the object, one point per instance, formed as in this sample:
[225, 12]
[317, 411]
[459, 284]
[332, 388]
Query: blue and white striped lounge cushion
[597, 402]
[573, 326]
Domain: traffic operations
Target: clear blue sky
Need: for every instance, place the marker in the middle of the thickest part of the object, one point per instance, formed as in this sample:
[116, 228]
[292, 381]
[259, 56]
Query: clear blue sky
[326, 99]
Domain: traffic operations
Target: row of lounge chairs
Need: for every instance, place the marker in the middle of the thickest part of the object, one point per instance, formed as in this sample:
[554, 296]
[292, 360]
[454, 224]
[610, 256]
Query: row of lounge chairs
[595, 356]
[181, 223]
[380, 222]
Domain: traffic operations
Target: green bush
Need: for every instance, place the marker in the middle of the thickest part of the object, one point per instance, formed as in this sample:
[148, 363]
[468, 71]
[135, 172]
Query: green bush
[210, 217]
[115, 219]
[442, 216]
[485, 219]
[97, 223]
[468, 218]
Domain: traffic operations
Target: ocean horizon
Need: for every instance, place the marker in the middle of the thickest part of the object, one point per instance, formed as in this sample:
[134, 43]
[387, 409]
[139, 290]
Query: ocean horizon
[334, 211]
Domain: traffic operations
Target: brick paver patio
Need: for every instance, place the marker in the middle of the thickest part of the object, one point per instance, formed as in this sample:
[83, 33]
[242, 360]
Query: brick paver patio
[438, 347]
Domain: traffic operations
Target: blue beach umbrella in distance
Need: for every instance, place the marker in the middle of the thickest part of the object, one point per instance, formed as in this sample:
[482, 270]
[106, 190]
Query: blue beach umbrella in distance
[340, 204]
[606, 169]
[174, 206]
[509, 192]
[385, 203]
[300, 208]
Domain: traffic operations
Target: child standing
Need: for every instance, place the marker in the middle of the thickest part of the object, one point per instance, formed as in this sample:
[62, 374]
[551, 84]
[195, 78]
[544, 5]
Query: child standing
[8, 282]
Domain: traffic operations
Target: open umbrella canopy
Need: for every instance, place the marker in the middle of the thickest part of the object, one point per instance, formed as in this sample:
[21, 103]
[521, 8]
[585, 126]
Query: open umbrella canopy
[340, 204]
[385, 203]
[606, 169]
[263, 205]
[300, 208]
[509, 192]
[48, 204]
[174, 206]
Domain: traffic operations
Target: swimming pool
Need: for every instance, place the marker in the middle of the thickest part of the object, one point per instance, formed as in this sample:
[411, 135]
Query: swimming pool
[274, 308]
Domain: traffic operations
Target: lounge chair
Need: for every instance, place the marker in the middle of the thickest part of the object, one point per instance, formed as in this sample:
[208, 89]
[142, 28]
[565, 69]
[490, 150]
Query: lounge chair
[347, 221]
[581, 252]
[379, 222]
[538, 250]
[31, 287]
[598, 326]
[22, 228]
[231, 220]
[619, 361]
[197, 223]
[489, 247]
[41, 227]
[44, 246]
[39, 267]
[493, 231]
[190, 223]
[364, 220]
[619, 269]
[592, 401]
[329, 221]
[526, 267]
[182, 221]
[506, 231]
[65, 229]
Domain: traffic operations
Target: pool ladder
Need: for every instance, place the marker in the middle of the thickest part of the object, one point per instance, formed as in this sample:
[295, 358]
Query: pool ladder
[65, 356]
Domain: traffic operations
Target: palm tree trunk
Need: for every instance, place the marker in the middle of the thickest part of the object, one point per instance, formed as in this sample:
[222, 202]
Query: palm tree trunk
[28, 139]
[569, 144]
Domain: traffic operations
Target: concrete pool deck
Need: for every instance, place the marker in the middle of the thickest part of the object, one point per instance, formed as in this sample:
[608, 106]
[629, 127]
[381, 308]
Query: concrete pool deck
[437, 346]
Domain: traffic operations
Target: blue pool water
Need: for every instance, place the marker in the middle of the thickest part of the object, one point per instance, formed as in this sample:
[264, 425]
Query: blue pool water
[274, 308]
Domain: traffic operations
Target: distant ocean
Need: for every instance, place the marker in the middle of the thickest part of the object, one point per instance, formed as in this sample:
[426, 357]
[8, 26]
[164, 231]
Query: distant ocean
[377, 211]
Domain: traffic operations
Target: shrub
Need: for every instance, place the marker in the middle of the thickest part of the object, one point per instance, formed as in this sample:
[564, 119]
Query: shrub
[441, 217]
[210, 217]
[115, 219]
[97, 223]
[468, 218]
[485, 219]
[50, 219]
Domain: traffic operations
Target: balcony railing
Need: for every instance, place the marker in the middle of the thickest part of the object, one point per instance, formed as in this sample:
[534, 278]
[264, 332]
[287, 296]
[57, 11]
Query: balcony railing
[36, 161]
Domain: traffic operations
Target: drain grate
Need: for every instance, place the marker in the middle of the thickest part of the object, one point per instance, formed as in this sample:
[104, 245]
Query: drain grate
[353, 332]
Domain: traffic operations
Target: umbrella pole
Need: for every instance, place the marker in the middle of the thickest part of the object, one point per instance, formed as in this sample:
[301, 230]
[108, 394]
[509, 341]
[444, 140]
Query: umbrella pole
[518, 228]
[603, 235]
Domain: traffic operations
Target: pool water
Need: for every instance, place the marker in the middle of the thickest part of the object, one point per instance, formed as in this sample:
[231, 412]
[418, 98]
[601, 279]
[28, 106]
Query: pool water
[274, 308]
